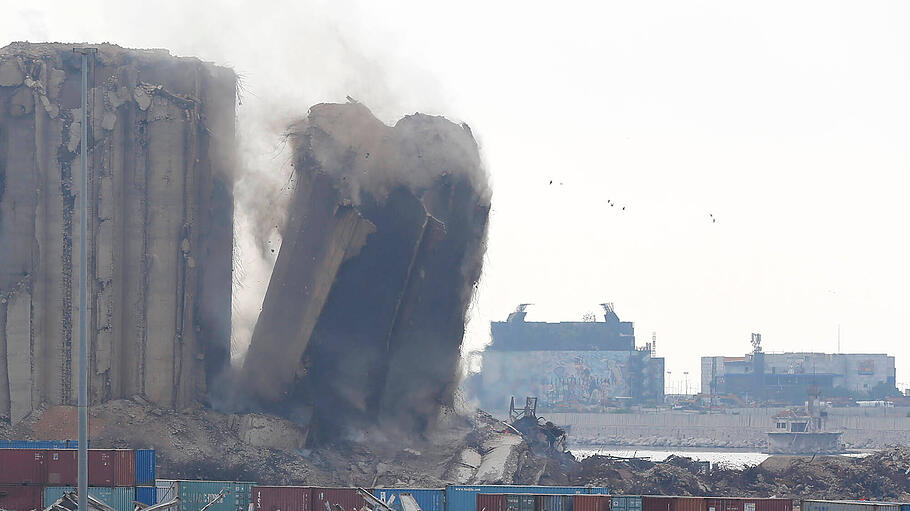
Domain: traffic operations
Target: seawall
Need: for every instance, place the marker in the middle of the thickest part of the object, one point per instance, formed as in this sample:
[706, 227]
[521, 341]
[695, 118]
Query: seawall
[863, 428]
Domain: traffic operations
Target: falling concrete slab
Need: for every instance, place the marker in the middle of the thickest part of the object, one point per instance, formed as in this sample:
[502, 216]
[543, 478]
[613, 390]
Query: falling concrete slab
[388, 318]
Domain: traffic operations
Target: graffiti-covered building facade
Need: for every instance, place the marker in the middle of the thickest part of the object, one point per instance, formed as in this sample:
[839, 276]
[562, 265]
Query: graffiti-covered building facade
[584, 366]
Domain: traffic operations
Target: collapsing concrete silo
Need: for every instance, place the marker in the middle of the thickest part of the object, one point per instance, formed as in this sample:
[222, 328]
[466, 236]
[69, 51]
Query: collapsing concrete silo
[160, 226]
[365, 312]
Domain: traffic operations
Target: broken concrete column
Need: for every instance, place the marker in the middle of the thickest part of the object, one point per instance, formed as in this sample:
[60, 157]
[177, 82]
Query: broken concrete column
[342, 330]
[160, 224]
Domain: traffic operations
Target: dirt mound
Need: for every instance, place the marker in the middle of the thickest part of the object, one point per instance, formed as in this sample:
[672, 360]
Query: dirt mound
[883, 475]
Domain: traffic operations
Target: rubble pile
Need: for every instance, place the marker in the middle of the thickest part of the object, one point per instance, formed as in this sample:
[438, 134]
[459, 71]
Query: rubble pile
[882, 475]
[199, 443]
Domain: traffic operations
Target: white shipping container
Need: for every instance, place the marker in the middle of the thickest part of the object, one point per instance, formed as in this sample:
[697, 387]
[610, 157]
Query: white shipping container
[856, 505]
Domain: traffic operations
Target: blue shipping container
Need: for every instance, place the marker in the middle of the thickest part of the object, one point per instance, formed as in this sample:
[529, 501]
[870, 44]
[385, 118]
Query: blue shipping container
[120, 498]
[145, 467]
[147, 495]
[427, 499]
[464, 498]
[39, 444]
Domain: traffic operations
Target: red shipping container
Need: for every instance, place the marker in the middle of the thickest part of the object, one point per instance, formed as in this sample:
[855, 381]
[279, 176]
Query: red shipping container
[689, 504]
[325, 499]
[22, 466]
[124, 467]
[62, 467]
[281, 498]
[21, 498]
[718, 504]
[101, 467]
[491, 502]
[589, 503]
[651, 503]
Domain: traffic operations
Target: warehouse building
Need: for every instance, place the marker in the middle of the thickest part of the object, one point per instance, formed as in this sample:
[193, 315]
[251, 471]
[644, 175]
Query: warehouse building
[584, 366]
[789, 377]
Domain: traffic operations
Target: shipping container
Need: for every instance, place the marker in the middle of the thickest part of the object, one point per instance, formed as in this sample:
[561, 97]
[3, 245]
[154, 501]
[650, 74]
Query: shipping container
[864, 505]
[124, 467]
[661, 503]
[40, 444]
[194, 495]
[281, 498]
[767, 505]
[723, 504]
[22, 466]
[428, 499]
[20, 498]
[464, 497]
[148, 495]
[520, 502]
[591, 502]
[119, 498]
[145, 467]
[325, 499]
[625, 503]
[62, 467]
[694, 504]
[490, 502]
[165, 489]
[554, 502]
[656, 503]
[100, 467]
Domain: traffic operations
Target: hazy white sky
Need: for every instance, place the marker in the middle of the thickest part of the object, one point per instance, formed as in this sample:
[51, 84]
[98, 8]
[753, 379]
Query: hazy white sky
[788, 121]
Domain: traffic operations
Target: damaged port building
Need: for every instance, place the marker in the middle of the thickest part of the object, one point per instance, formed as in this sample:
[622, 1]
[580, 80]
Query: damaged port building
[364, 315]
[571, 366]
[160, 227]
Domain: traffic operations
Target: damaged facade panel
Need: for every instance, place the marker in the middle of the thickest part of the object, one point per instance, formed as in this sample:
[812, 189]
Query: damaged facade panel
[160, 226]
[372, 331]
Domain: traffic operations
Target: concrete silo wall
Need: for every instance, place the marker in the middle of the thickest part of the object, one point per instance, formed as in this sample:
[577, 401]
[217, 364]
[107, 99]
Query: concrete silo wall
[160, 226]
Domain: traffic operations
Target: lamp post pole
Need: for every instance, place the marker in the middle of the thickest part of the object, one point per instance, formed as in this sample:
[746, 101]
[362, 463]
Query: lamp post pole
[83, 289]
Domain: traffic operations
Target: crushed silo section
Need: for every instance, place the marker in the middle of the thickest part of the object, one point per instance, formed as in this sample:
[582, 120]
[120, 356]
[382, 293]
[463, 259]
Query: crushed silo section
[160, 226]
[365, 312]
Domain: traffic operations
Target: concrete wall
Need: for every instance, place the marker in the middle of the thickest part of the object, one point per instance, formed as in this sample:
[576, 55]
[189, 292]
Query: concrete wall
[862, 428]
[160, 226]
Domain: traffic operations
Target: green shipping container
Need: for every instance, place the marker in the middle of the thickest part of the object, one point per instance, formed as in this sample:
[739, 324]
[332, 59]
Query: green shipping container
[625, 503]
[120, 498]
[520, 502]
[194, 495]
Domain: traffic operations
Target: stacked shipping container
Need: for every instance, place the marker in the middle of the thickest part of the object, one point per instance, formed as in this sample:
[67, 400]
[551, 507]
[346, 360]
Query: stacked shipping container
[194, 495]
[464, 497]
[429, 499]
[34, 476]
[281, 498]
[591, 502]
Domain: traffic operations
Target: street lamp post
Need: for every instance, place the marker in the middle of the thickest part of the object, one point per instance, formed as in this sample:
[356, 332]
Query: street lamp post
[83, 290]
